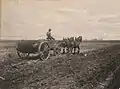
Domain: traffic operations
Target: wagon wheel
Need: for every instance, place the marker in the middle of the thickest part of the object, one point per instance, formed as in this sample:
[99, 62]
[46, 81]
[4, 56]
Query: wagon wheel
[44, 51]
[22, 55]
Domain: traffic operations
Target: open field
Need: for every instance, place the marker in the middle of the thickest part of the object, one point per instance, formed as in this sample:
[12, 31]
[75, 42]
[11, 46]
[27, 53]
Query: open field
[61, 72]
[85, 45]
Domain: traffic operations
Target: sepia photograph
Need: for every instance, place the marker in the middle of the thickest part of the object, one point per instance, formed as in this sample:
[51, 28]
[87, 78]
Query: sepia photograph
[59, 44]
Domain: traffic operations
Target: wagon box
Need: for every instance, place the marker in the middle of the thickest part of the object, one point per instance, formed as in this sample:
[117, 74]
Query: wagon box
[26, 47]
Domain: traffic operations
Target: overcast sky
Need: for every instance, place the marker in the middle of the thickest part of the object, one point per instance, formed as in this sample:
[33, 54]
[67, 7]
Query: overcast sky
[31, 19]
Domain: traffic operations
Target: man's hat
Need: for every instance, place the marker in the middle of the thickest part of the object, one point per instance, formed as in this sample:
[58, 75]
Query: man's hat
[50, 29]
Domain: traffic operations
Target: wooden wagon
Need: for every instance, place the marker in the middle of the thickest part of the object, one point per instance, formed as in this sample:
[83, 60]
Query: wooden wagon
[40, 47]
[26, 47]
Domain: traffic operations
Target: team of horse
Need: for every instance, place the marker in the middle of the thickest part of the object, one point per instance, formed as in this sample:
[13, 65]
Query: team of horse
[71, 45]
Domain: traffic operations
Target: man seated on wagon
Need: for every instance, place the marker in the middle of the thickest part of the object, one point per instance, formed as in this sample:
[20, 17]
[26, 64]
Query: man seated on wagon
[49, 36]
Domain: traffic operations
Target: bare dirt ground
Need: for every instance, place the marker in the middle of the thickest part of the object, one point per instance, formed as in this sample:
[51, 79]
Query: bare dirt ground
[61, 72]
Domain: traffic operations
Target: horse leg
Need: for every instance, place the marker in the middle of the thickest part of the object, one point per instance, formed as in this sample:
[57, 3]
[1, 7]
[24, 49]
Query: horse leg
[70, 50]
[61, 50]
[67, 50]
[64, 50]
[78, 50]
[74, 50]
[56, 51]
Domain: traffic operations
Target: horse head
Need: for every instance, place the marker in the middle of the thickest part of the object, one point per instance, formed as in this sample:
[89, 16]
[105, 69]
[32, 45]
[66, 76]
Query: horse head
[79, 38]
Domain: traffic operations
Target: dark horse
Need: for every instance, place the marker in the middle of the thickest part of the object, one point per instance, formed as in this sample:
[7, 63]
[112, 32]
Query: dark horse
[74, 44]
[77, 43]
[64, 45]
